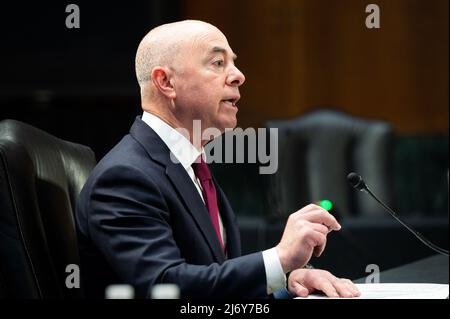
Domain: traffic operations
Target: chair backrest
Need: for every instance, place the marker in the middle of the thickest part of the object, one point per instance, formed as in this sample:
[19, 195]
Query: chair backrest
[40, 179]
[318, 150]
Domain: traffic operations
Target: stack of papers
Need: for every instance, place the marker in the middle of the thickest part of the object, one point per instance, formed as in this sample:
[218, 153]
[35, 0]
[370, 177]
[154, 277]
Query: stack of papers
[397, 291]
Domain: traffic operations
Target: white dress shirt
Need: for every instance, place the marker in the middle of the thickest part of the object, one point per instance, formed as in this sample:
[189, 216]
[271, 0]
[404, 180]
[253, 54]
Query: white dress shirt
[183, 152]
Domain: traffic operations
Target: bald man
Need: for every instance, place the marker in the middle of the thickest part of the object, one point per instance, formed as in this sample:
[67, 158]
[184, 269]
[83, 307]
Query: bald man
[150, 212]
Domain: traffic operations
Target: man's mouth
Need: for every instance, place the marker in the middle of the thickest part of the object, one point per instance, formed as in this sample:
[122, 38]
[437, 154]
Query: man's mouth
[231, 102]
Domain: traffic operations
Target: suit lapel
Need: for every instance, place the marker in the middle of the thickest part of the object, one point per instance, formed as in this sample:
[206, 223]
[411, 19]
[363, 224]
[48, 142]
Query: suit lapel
[180, 179]
[187, 191]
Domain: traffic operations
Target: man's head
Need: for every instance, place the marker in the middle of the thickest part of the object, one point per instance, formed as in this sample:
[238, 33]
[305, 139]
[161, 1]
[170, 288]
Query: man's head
[186, 72]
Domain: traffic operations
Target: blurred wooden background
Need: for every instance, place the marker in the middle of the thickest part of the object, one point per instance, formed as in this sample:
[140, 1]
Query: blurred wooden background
[299, 55]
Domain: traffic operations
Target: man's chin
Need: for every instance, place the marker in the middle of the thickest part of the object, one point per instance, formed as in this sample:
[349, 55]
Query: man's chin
[221, 126]
[229, 126]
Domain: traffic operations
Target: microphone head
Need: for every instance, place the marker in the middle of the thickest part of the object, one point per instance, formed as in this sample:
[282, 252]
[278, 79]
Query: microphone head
[356, 181]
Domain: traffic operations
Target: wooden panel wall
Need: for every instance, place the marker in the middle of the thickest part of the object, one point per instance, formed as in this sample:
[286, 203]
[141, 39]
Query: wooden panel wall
[299, 55]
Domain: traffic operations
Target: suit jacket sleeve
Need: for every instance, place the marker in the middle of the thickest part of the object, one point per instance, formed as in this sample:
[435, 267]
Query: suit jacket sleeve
[130, 223]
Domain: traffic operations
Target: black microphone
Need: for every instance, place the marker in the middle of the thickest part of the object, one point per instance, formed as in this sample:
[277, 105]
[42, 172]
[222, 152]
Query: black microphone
[358, 183]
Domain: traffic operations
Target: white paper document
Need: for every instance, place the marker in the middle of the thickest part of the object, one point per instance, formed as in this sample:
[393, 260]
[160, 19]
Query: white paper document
[397, 291]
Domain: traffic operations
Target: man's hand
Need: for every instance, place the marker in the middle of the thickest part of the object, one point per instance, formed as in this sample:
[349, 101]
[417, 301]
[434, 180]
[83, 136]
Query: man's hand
[305, 234]
[302, 282]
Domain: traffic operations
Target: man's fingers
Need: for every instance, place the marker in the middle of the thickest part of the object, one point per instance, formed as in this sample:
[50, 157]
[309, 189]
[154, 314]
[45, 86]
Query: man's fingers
[300, 290]
[309, 208]
[316, 238]
[343, 289]
[327, 288]
[318, 251]
[320, 228]
[320, 238]
[321, 216]
[355, 291]
[321, 244]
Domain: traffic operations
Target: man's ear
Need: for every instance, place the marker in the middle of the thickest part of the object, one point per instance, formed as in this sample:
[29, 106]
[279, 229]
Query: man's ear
[161, 78]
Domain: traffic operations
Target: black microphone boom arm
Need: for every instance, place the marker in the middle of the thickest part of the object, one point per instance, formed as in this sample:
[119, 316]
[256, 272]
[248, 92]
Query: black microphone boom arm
[358, 183]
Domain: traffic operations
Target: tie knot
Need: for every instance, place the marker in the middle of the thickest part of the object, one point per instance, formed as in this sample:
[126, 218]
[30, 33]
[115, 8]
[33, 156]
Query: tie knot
[201, 170]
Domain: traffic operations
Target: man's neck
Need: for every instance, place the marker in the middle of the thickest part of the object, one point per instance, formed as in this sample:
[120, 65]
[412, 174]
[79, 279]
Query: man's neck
[173, 122]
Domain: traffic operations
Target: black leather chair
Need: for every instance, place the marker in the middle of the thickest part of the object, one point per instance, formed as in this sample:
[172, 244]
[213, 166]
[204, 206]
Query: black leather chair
[318, 150]
[40, 179]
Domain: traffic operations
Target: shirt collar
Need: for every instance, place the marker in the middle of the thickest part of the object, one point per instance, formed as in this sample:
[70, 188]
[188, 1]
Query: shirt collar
[181, 148]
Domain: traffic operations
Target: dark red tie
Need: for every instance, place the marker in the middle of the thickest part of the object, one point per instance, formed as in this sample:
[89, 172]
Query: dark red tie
[202, 172]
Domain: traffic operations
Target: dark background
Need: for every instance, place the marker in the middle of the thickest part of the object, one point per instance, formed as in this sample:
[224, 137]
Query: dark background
[298, 56]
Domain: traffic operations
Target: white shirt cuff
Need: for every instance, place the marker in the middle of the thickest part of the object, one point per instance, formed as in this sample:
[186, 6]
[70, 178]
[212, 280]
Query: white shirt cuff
[276, 279]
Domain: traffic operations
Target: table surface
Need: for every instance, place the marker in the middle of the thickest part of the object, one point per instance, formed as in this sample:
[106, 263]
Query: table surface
[433, 269]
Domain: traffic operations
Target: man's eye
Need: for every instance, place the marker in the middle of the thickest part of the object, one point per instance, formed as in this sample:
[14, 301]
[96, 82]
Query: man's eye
[218, 63]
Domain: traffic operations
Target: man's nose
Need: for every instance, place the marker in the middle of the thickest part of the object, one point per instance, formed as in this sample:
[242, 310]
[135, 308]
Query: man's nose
[235, 77]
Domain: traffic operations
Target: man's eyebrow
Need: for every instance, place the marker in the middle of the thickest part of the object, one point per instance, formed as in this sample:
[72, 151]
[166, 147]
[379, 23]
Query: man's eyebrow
[223, 51]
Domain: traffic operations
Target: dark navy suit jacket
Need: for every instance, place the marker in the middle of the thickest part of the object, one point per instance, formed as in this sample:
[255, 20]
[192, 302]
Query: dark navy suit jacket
[140, 220]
